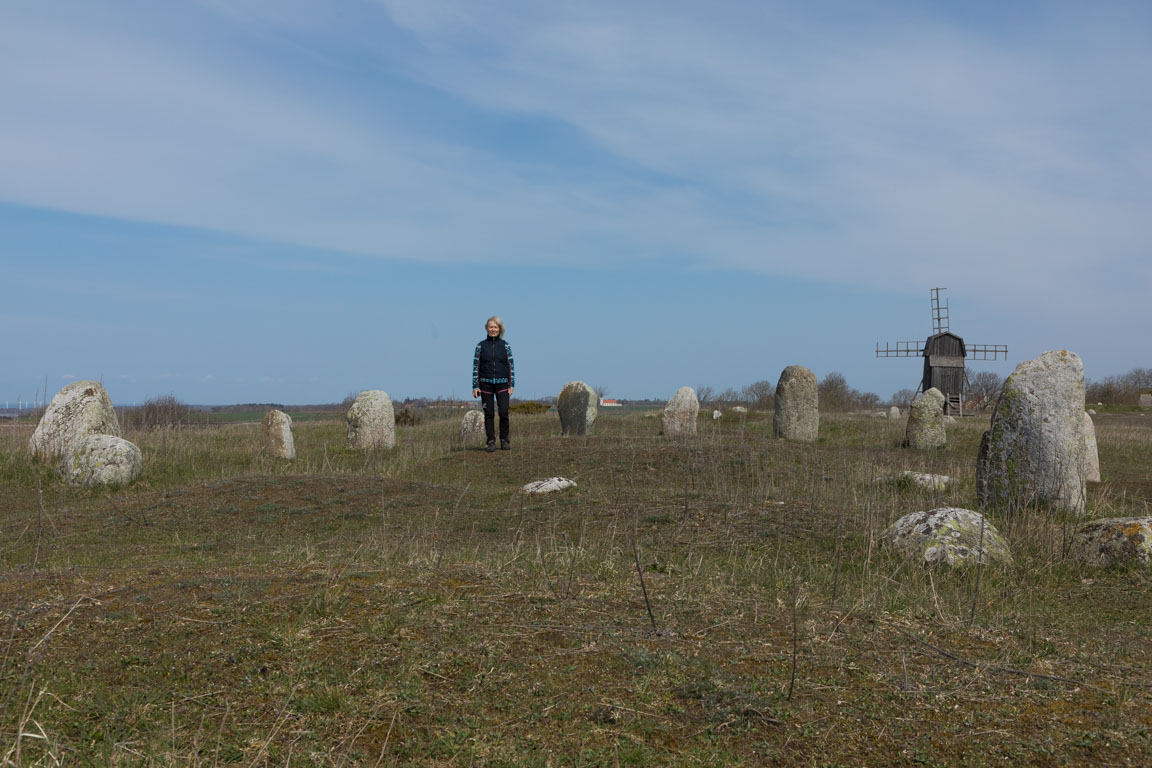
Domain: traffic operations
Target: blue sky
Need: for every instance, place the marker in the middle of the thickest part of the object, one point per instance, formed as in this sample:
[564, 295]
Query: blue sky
[285, 201]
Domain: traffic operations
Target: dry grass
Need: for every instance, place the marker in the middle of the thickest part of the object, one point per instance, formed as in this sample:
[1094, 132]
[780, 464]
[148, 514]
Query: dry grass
[410, 608]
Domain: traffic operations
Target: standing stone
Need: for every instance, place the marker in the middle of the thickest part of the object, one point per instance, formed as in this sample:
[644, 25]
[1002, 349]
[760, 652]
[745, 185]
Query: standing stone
[1091, 455]
[1034, 451]
[577, 408]
[797, 415]
[278, 434]
[78, 410]
[371, 421]
[679, 417]
[926, 421]
[893, 413]
[716, 415]
[1115, 541]
[472, 427]
[102, 460]
[1145, 400]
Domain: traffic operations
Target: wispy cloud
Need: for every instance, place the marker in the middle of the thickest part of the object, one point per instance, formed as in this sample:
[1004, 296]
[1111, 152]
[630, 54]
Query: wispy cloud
[807, 140]
[68, 377]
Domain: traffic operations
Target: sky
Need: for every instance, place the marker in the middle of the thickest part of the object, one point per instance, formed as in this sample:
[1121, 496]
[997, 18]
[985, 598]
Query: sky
[291, 200]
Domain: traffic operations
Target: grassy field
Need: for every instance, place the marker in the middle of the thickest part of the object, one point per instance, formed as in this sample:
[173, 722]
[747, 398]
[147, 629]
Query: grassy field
[721, 601]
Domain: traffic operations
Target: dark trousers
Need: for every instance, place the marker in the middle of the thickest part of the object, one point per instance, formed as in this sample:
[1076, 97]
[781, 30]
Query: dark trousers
[493, 401]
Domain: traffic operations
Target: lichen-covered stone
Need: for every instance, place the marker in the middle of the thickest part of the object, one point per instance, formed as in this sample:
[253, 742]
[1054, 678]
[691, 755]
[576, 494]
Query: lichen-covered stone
[925, 428]
[1034, 451]
[577, 406]
[278, 435]
[739, 409]
[78, 410]
[893, 413]
[1115, 541]
[949, 420]
[947, 536]
[797, 413]
[923, 480]
[679, 416]
[551, 485]
[472, 427]
[371, 422]
[1091, 455]
[102, 460]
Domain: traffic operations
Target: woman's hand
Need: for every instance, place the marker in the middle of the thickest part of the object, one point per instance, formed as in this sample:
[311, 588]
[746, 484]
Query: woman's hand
[511, 390]
[475, 394]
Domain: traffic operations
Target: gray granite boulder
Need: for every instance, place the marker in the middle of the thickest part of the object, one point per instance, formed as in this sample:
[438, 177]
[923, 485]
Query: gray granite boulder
[679, 416]
[78, 410]
[577, 405]
[797, 413]
[947, 536]
[926, 421]
[1115, 541]
[551, 485]
[1034, 451]
[278, 435]
[102, 460]
[922, 480]
[472, 427]
[371, 422]
[1091, 455]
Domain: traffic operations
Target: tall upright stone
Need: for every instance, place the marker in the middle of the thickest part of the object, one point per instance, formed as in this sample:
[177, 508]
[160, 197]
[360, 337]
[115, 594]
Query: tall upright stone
[797, 414]
[577, 406]
[893, 413]
[679, 416]
[371, 421]
[1091, 455]
[926, 421]
[78, 410]
[1145, 400]
[1034, 451]
[278, 434]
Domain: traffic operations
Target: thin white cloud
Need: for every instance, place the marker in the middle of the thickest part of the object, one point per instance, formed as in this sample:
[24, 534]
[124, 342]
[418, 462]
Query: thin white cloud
[68, 377]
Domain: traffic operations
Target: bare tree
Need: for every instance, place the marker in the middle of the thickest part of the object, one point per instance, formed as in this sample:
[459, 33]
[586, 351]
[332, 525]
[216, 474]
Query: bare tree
[705, 394]
[904, 397]
[835, 394]
[601, 391]
[761, 394]
[986, 385]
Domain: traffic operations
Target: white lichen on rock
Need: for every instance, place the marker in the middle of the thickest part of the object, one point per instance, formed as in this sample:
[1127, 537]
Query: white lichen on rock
[78, 410]
[1114, 541]
[797, 406]
[102, 460]
[925, 428]
[1034, 451]
[947, 536]
[278, 435]
[679, 416]
[923, 480]
[371, 422]
[551, 485]
[472, 427]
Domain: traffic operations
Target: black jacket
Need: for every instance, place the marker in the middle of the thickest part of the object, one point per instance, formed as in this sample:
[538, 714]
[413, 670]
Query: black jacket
[492, 363]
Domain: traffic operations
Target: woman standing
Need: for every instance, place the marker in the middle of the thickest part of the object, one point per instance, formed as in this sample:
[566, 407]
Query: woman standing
[493, 380]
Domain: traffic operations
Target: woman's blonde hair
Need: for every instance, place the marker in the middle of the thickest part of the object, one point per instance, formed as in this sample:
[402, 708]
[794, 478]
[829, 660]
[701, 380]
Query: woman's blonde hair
[495, 319]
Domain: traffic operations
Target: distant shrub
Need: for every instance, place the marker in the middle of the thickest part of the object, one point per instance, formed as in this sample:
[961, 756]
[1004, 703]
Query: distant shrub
[163, 411]
[529, 408]
[408, 417]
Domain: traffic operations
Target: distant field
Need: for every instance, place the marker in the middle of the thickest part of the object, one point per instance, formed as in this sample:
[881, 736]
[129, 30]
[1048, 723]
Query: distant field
[720, 601]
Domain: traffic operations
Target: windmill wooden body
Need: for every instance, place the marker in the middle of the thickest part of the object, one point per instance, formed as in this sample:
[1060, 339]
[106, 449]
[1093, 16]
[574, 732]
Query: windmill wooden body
[944, 354]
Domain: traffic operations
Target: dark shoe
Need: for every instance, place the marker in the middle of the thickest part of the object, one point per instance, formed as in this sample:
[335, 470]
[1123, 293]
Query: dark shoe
[505, 445]
[491, 446]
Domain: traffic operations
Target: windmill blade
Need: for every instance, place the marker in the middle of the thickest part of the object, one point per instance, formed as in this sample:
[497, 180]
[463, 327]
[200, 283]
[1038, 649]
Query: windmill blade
[988, 351]
[900, 349]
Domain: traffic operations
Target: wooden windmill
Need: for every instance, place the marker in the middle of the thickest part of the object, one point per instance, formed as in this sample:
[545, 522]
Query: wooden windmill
[944, 353]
